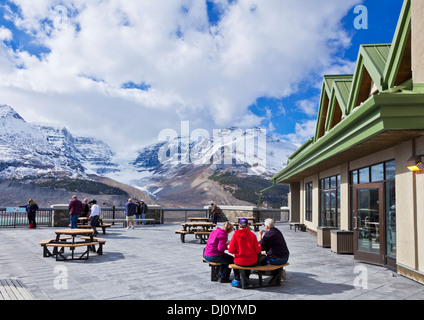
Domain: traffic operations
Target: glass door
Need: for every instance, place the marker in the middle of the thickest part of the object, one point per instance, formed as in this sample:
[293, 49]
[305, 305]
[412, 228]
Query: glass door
[369, 230]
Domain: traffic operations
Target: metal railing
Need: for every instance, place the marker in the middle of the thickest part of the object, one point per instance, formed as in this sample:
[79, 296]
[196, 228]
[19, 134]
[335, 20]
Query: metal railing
[20, 219]
[44, 215]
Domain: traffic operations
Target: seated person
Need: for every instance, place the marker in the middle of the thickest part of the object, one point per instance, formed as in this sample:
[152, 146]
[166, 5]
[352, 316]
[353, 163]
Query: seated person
[215, 250]
[245, 248]
[274, 244]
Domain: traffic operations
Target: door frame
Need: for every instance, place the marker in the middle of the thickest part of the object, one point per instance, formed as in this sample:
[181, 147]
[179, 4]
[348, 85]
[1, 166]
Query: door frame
[374, 258]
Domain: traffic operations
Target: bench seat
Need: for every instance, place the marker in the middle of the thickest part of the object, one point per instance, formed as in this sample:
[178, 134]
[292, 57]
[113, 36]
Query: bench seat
[215, 268]
[72, 246]
[101, 242]
[261, 271]
[103, 226]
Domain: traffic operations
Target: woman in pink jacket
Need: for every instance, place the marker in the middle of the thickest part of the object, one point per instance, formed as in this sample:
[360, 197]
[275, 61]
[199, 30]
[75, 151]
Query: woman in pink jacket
[215, 250]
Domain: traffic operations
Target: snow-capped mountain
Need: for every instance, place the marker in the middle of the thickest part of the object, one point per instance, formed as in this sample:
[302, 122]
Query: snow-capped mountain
[243, 152]
[93, 154]
[36, 150]
[25, 150]
[169, 169]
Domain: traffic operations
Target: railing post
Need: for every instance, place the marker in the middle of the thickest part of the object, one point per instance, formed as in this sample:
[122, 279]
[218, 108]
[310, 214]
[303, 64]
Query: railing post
[113, 215]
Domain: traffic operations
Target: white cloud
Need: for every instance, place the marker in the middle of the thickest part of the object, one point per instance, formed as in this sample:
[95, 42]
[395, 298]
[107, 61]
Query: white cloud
[303, 132]
[309, 106]
[208, 75]
[5, 34]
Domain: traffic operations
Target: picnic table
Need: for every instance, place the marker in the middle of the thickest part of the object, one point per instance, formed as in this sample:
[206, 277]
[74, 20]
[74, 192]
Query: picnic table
[201, 230]
[62, 235]
[194, 219]
[84, 224]
[255, 225]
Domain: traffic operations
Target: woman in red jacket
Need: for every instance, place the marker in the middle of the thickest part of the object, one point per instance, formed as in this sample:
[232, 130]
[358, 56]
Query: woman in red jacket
[245, 248]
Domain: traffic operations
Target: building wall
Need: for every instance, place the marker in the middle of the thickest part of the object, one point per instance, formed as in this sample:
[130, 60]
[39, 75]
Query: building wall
[417, 30]
[409, 202]
[410, 212]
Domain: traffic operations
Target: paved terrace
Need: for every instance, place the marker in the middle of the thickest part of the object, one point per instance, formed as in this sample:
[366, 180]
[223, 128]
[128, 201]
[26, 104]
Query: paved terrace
[151, 263]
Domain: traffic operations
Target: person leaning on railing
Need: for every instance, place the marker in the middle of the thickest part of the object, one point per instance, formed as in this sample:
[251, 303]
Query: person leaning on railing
[31, 209]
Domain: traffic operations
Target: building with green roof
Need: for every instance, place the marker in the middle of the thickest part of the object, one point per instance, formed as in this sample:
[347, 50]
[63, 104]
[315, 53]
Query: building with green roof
[353, 174]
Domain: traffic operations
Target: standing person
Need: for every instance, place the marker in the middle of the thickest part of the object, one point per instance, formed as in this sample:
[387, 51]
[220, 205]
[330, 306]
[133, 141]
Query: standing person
[138, 212]
[214, 213]
[94, 216]
[75, 209]
[274, 244]
[86, 208]
[31, 209]
[130, 211]
[143, 210]
[245, 248]
[215, 251]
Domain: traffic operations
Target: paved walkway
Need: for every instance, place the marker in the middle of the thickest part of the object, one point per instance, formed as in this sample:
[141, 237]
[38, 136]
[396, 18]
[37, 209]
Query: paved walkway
[151, 263]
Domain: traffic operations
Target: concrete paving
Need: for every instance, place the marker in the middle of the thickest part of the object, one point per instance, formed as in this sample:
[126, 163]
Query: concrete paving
[151, 263]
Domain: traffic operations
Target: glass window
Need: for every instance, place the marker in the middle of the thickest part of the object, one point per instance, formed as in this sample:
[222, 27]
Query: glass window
[330, 201]
[364, 175]
[308, 201]
[326, 183]
[377, 172]
[390, 170]
[333, 182]
[354, 177]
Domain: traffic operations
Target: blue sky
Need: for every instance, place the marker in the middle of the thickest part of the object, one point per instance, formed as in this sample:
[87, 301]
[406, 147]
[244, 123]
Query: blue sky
[124, 70]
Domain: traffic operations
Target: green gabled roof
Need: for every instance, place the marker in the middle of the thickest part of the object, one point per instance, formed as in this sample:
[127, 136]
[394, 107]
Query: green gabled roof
[381, 119]
[373, 59]
[403, 30]
[339, 93]
[332, 86]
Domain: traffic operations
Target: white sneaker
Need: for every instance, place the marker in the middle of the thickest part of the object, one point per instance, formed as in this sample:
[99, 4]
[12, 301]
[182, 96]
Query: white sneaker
[127, 227]
[132, 227]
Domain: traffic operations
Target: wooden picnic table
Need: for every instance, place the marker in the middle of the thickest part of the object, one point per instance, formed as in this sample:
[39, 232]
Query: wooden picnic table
[73, 233]
[193, 219]
[198, 224]
[255, 224]
[200, 229]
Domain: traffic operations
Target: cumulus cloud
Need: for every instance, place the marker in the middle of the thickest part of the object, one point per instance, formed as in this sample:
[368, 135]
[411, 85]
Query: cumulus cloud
[124, 70]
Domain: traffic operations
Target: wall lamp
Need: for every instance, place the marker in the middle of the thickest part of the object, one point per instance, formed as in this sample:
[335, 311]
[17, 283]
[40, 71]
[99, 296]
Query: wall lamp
[415, 163]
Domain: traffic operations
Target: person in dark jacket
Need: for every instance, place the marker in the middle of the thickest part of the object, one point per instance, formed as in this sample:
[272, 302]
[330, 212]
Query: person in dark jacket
[143, 210]
[130, 212]
[31, 209]
[75, 208]
[275, 246]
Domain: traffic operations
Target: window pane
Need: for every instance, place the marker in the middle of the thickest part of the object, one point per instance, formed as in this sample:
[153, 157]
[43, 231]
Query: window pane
[390, 170]
[377, 172]
[354, 177]
[364, 175]
[338, 181]
[333, 182]
[327, 183]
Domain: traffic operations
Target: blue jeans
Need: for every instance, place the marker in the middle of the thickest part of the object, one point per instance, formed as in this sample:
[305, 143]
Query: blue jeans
[274, 261]
[74, 220]
[226, 260]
